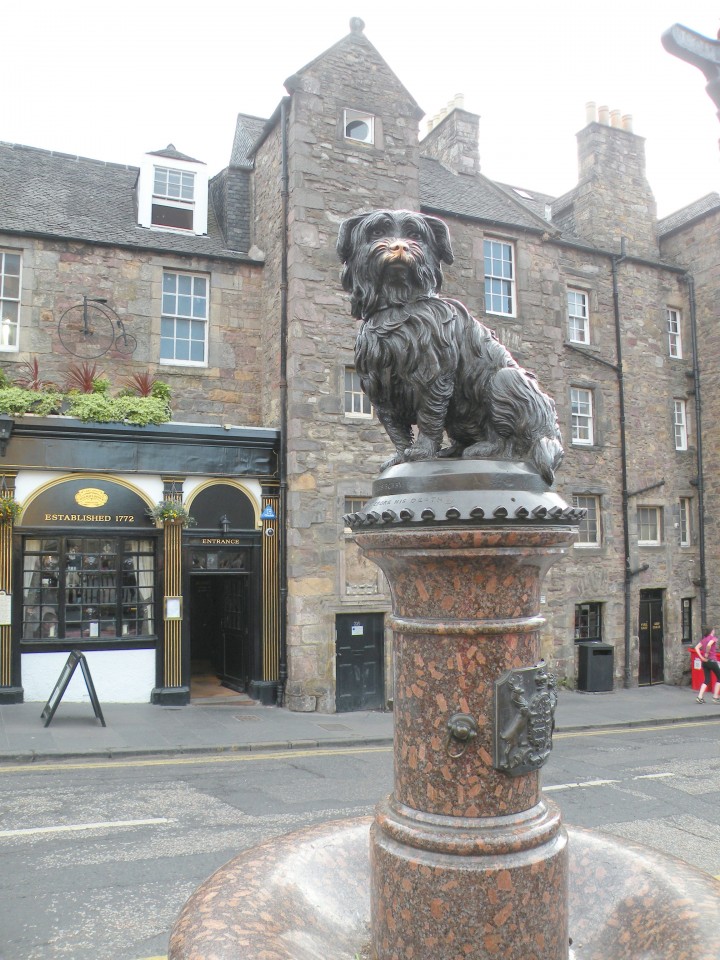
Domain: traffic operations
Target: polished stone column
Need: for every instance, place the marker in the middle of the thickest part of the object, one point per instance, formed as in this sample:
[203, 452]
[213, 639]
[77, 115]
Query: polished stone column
[467, 858]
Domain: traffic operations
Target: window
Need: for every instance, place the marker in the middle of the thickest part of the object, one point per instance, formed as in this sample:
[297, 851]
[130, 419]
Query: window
[589, 528]
[680, 425]
[183, 327]
[685, 521]
[578, 323]
[674, 334]
[354, 504]
[499, 278]
[359, 126]
[9, 300]
[86, 587]
[581, 407]
[356, 403]
[649, 526]
[588, 621]
[173, 198]
[687, 619]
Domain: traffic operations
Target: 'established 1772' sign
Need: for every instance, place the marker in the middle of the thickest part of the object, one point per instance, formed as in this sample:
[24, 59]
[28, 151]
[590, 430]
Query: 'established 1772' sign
[87, 500]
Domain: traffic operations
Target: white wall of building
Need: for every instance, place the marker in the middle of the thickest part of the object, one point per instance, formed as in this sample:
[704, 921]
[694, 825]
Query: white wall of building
[119, 676]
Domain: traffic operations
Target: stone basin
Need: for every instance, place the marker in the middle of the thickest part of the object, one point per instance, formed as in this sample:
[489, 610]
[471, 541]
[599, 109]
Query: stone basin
[306, 896]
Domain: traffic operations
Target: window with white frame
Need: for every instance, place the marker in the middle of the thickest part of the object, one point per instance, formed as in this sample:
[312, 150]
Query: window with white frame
[173, 198]
[680, 424]
[9, 300]
[499, 277]
[649, 521]
[356, 403]
[359, 126]
[685, 521]
[578, 320]
[588, 621]
[184, 322]
[674, 332]
[581, 408]
[589, 527]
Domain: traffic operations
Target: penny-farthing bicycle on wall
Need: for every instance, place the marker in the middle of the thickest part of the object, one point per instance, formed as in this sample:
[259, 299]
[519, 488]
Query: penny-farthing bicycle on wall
[92, 328]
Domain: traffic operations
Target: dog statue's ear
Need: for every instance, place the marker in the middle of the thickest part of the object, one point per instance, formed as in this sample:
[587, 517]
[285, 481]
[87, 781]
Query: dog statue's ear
[441, 233]
[344, 240]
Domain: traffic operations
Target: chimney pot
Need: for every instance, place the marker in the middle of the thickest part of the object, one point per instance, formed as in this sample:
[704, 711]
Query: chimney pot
[615, 118]
[590, 111]
[627, 122]
[604, 115]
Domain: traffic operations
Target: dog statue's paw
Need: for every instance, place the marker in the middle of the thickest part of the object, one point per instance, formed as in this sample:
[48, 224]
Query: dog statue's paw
[423, 449]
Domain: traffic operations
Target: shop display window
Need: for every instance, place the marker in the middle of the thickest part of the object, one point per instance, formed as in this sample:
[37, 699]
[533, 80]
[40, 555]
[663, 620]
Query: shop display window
[88, 588]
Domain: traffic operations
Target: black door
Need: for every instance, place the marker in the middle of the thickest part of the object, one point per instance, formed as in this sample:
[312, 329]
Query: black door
[220, 627]
[651, 667]
[234, 630]
[359, 648]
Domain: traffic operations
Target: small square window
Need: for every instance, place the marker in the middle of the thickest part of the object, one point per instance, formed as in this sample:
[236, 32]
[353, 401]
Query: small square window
[356, 403]
[359, 126]
[588, 621]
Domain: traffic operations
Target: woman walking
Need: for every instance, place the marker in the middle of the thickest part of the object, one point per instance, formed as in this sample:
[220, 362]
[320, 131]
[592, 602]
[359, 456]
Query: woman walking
[706, 649]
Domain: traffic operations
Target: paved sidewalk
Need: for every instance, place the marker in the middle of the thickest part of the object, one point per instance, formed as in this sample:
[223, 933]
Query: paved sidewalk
[137, 729]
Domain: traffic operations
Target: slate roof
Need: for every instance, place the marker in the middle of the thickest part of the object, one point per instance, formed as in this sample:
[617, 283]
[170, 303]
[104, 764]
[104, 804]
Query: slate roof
[476, 197]
[76, 198]
[684, 216]
[248, 131]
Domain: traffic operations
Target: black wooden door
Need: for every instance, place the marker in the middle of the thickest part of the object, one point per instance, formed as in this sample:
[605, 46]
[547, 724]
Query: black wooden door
[234, 630]
[360, 676]
[651, 668]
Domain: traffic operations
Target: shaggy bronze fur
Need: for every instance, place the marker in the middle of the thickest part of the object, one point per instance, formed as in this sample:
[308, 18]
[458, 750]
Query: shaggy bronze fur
[425, 362]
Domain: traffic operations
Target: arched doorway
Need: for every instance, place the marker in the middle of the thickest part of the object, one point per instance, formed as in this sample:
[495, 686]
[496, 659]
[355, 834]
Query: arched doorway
[224, 574]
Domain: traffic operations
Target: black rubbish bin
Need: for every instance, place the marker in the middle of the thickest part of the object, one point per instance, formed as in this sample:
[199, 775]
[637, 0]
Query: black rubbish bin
[595, 667]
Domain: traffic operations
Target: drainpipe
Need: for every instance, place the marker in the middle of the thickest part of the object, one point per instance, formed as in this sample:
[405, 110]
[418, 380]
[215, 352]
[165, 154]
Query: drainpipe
[689, 279]
[627, 682]
[284, 195]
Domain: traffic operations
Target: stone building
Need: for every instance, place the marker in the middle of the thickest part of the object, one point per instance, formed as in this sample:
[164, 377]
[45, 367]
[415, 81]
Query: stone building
[272, 441]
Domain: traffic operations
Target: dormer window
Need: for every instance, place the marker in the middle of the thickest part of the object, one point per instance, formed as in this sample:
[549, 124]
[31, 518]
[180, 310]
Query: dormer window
[172, 192]
[173, 201]
[359, 126]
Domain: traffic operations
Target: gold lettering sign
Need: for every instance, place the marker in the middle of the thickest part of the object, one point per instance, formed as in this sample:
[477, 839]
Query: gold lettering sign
[91, 497]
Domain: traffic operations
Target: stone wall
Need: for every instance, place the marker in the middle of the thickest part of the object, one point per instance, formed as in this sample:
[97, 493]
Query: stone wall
[57, 274]
[696, 248]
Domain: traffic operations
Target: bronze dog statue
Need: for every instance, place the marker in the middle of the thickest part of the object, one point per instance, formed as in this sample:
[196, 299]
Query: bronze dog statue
[425, 362]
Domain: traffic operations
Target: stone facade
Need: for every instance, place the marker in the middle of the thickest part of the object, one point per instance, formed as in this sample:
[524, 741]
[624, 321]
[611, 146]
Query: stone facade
[276, 298]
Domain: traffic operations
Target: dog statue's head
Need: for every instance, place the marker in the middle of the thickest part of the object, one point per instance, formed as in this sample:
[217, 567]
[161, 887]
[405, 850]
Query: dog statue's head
[391, 257]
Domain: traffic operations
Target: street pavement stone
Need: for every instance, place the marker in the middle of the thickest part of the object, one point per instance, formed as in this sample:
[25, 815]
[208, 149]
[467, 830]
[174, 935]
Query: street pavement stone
[146, 729]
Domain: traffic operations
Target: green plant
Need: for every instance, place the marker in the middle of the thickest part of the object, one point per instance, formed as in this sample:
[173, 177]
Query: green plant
[171, 511]
[145, 385]
[17, 401]
[85, 378]
[141, 410]
[30, 378]
[91, 406]
[10, 509]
